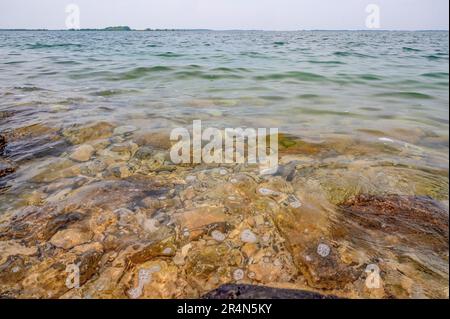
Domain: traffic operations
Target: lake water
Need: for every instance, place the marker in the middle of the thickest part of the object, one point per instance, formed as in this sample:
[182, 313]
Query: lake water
[359, 113]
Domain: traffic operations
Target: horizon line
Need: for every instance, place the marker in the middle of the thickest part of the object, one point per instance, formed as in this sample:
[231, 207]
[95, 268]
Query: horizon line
[207, 29]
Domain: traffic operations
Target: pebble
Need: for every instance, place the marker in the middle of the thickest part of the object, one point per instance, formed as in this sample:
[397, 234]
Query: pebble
[267, 192]
[247, 236]
[191, 179]
[82, 153]
[123, 130]
[223, 172]
[323, 250]
[217, 235]
[238, 274]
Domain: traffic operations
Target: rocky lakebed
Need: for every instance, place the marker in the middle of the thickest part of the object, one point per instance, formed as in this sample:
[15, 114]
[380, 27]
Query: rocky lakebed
[106, 198]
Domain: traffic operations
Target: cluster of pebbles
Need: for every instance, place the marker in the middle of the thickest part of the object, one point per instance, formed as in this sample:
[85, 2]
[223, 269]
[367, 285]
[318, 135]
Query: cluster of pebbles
[137, 226]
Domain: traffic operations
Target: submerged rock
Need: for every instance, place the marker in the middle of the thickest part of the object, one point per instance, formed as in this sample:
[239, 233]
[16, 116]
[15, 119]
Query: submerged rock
[6, 168]
[260, 292]
[91, 132]
[2, 144]
[416, 221]
[82, 153]
[70, 238]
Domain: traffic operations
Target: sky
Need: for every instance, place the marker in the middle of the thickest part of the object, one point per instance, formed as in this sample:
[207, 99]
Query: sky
[228, 14]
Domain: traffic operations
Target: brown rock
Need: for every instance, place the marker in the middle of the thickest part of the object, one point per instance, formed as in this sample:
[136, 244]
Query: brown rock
[197, 220]
[6, 168]
[82, 153]
[83, 134]
[70, 238]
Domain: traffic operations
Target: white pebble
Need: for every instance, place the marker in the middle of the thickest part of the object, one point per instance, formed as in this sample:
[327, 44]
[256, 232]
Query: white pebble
[223, 172]
[247, 236]
[323, 250]
[238, 274]
[267, 192]
[191, 178]
[217, 235]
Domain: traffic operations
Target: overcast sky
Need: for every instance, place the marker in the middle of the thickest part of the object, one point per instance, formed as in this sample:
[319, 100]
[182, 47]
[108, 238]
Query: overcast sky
[227, 14]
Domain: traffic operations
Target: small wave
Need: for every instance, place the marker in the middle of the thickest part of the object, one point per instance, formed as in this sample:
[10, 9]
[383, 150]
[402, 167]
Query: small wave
[205, 75]
[436, 75]
[326, 62]
[49, 46]
[369, 77]
[407, 49]
[112, 92]
[169, 55]
[140, 72]
[28, 88]
[351, 54]
[301, 76]
[436, 57]
[406, 95]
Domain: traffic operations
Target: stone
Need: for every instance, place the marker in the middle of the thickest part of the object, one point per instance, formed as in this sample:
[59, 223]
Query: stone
[218, 235]
[82, 153]
[2, 144]
[247, 236]
[261, 292]
[267, 192]
[157, 140]
[124, 130]
[144, 153]
[196, 221]
[238, 274]
[82, 134]
[6, 168]
[323, 250]
[69, 238]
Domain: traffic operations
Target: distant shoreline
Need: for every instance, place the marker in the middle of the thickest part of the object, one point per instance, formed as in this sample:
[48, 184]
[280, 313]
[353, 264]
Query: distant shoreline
[128, 29]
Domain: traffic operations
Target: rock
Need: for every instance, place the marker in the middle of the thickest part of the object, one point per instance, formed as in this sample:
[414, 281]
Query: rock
[218, 235]
[267, 192]
[197, 220]
[238, 274]
[6, 168]
[144, 153]
[323, 250]
[260, 292]
[91, 132]
[70, 238]
[247, 236]
[88, 263]
[58, 223]
[2, 144]
[157, 140]
[266, 272]
[12, 248]
[415, 220]
[124, 130]
[164, 249]
[82, 153]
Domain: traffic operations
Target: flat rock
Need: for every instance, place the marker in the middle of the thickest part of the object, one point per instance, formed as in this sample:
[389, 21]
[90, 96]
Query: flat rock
[70, 238]
[82, 153]
[260, 292]
[195, 221]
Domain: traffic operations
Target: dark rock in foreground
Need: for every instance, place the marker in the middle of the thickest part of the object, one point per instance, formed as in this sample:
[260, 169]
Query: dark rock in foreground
[417, 221]
[2, 144]
[260, 292]
[6, 168]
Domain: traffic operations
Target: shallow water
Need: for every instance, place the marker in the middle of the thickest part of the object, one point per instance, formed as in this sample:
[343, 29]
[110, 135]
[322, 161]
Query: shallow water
[360, 112]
